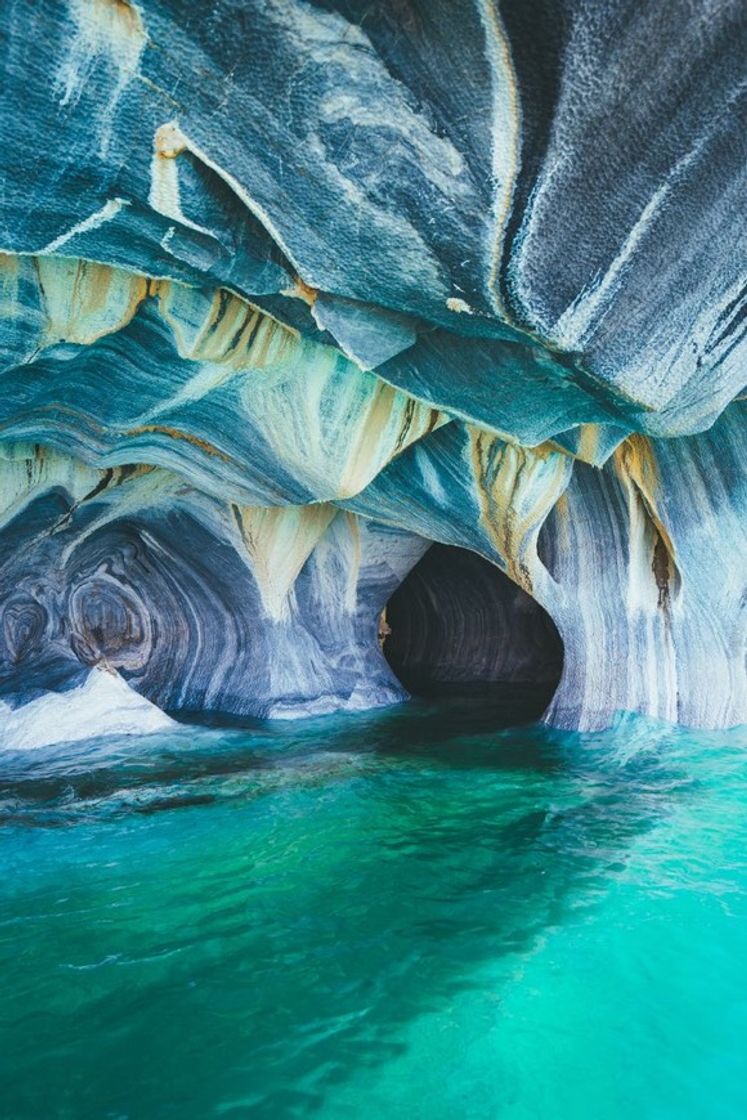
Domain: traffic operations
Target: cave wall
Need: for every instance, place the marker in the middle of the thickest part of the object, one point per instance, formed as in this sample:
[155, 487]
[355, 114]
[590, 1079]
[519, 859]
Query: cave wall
[200, 607]
[642, 564]
[289, 291]
[650, 560]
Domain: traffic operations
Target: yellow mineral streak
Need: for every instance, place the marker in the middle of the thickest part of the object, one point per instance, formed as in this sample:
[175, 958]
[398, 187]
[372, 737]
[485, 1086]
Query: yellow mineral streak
[9, 276]
[516, 488]
[635, 459]
[175, 433]
[224, 328]
[84, 301]
[650, 547]
[169, 140]
[587, 449]
[588, 443]
[562, 524]
[636, 466]
[388, 424]
[302, 290]
[279, 541]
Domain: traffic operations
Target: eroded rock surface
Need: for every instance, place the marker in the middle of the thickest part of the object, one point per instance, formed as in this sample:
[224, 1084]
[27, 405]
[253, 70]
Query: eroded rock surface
[290, 290]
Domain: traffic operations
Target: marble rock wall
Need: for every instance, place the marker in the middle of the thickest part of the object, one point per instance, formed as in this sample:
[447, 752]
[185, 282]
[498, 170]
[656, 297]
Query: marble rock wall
[290, 289]
[199, 606]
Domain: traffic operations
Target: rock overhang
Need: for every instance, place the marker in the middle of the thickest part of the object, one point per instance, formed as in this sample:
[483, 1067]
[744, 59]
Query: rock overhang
[305, 257]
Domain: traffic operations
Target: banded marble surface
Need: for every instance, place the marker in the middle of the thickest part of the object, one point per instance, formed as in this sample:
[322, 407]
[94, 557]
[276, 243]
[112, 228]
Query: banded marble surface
[292, 289]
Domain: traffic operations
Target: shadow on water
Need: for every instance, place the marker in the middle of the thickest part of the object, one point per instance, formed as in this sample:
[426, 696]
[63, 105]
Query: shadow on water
[325, 885]
[68, 780]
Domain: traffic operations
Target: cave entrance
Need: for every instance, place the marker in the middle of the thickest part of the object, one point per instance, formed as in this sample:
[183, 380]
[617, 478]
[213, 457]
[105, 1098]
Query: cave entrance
[458, 627]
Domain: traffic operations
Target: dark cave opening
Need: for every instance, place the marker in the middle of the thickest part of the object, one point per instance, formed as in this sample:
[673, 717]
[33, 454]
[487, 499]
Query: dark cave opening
[458, 627]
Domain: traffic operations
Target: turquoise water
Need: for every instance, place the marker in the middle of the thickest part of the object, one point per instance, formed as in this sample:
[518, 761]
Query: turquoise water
[399, 915]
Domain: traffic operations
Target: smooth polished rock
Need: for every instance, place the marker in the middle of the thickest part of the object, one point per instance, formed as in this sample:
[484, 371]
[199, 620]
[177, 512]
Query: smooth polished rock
[290, 289]
[102, 705]
[201, 606]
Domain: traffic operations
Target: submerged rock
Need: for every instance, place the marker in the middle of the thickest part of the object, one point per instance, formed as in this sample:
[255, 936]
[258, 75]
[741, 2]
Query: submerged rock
[289, 291]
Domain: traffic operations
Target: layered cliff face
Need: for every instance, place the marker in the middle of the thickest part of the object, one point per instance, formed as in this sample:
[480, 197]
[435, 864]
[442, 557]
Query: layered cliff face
[291, 290]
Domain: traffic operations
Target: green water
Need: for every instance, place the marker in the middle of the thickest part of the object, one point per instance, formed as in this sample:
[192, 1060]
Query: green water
[404, 915]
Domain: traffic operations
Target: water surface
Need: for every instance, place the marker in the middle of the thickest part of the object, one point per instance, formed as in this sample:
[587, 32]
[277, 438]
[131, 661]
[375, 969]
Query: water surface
[405, 914]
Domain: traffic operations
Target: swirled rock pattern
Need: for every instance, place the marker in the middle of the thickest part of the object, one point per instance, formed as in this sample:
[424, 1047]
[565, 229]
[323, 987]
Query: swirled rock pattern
[291, 289]
[199, 605]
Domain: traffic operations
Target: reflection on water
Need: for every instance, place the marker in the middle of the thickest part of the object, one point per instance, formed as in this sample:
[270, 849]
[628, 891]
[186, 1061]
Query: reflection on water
[406, 913]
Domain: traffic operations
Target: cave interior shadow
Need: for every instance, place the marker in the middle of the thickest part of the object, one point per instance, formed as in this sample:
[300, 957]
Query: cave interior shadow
[458, 629]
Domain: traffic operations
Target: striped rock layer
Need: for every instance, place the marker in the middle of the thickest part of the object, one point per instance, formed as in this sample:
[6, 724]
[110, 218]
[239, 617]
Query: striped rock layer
[290, 290]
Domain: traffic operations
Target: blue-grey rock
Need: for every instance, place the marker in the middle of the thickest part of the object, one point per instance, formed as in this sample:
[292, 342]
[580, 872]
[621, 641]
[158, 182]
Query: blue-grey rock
[290, 289]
